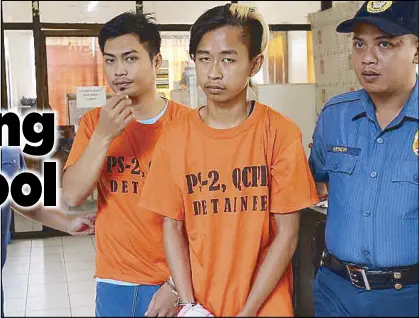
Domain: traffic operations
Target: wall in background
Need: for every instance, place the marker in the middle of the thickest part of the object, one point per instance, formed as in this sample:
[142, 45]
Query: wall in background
[167, 12]
[295, 101]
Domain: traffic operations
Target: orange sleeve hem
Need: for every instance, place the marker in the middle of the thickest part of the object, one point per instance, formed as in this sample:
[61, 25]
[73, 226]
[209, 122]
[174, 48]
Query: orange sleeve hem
[175, 216]
[66, 166]
[281, 209]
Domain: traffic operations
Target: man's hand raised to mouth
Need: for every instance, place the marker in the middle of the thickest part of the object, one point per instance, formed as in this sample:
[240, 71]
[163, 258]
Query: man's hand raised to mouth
[115, 115]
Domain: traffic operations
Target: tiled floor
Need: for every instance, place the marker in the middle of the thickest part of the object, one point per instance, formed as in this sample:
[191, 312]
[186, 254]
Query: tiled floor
[50, 277]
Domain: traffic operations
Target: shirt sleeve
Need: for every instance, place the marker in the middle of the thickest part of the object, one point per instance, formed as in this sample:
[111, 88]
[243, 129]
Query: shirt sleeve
[318, 153]
[81, 140]
[292, 185]
[160, 193]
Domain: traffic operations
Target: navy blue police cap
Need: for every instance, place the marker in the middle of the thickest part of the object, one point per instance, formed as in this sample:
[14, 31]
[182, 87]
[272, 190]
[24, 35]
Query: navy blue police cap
[395, 18]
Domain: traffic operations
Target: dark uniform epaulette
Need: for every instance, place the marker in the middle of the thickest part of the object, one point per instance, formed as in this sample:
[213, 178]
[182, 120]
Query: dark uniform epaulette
[343, 98]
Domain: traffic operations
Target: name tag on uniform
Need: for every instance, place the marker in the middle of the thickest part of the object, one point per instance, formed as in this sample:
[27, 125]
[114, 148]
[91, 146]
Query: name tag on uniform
[344, 149]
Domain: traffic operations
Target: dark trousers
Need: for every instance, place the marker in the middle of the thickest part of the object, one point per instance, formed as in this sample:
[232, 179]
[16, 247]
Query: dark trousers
[335, 296]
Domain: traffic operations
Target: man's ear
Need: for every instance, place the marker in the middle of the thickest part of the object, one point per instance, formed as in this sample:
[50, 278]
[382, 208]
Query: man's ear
[157, 61]
[416, 57]
[257, 63]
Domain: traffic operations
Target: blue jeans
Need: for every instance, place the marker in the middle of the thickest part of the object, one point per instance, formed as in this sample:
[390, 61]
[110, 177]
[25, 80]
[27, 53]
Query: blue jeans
[123, 301]
[337, 297]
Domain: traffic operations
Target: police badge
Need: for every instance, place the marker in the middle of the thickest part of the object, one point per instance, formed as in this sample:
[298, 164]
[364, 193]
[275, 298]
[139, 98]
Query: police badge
[378, 6]
[415, 146]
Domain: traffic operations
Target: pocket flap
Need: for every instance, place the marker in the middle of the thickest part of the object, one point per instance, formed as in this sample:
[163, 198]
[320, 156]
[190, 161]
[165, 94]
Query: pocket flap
[339, 162]
[9, 158]
[406, 172]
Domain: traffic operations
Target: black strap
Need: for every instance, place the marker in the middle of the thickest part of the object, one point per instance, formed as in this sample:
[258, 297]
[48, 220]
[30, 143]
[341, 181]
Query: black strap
[252, 107]
[377, 279]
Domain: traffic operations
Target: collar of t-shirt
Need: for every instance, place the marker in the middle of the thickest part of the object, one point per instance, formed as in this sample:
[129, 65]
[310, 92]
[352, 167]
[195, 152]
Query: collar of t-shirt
[155, 118]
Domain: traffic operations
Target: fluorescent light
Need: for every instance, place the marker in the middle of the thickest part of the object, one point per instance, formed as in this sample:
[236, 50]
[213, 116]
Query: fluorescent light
[92, 5]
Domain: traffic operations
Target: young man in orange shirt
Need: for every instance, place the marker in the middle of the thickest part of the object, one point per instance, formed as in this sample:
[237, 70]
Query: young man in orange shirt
[112, 151]
[231, 177]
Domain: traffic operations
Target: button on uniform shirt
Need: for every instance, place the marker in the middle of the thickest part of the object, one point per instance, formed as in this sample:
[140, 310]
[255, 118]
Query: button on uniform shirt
[372, 174]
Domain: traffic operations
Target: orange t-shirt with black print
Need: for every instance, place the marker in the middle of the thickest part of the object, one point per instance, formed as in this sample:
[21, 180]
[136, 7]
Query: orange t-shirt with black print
[226, 184]
[129, 240]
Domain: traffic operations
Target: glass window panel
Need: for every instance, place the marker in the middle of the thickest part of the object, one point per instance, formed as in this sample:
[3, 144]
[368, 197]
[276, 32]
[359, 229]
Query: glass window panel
[72, 62]
[277, 58]
[20, 69]
[177, 78]
[17, 11]
[288, 59]
[300, 57]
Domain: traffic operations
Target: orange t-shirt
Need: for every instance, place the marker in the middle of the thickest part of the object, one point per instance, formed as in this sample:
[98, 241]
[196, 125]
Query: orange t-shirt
[225, 183]
[129, 239]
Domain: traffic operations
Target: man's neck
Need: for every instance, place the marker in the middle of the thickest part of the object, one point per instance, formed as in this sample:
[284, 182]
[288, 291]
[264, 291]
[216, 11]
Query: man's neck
[226, 115]
[389, 105]
[147, 106]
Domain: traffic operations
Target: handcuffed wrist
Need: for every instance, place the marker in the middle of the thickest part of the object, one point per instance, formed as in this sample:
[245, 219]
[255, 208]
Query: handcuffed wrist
[172, 286]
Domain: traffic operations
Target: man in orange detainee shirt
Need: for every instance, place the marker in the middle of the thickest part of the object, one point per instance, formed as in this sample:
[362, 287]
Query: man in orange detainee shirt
[230, 178]
[112, 151]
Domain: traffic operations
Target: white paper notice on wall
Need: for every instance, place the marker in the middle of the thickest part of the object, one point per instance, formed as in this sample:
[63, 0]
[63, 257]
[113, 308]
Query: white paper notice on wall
[90, 96]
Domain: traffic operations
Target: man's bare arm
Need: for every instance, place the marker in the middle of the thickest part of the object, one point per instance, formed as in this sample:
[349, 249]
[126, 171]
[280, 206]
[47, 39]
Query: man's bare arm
[322, 189]
[80, 178]
[177, 254]
[72, 224]
[277, 259]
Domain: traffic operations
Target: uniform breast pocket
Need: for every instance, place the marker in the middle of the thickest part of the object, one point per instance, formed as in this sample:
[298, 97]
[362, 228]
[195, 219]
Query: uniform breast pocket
[340, 168]
[9, 165]
[405, 187]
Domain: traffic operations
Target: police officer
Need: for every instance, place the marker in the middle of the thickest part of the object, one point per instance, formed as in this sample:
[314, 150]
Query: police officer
[365, 148]
[12, 162]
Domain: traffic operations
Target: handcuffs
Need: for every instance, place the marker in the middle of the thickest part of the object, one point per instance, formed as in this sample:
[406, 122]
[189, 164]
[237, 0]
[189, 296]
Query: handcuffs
[179, 303]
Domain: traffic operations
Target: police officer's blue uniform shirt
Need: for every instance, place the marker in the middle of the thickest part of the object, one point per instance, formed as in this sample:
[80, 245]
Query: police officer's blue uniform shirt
[12, 162]
[372, 173]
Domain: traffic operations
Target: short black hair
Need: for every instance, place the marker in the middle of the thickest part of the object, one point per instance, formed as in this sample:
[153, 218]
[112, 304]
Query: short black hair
[235, 15]
[142, 25]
